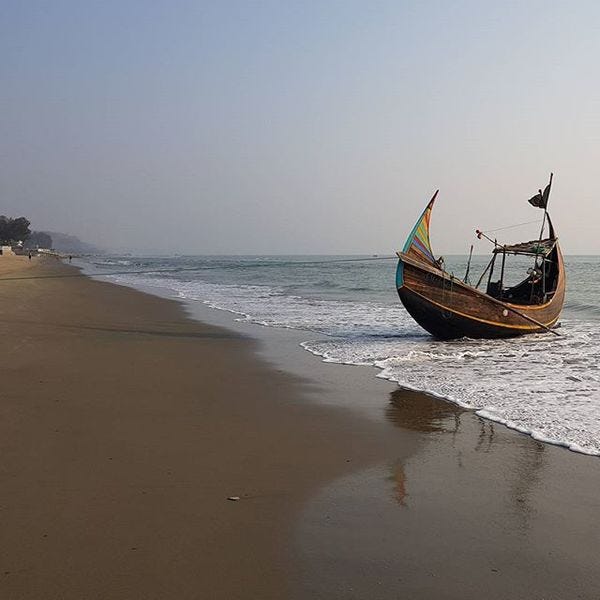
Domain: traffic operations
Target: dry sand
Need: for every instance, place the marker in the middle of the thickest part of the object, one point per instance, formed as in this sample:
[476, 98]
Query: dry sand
[124, 428]
[12, 264]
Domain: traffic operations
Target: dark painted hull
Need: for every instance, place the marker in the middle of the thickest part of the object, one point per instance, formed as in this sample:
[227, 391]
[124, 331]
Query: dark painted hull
[448, 309]
[446, 325]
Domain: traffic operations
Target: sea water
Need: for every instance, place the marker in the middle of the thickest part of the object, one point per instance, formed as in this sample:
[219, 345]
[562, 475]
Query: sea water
[543, 385]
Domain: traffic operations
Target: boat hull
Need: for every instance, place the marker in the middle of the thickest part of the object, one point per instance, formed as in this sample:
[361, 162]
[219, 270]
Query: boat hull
[448, 309]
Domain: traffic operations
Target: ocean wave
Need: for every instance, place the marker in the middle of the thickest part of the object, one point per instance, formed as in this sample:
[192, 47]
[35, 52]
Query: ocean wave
[583, 308]
[546, 387]
[107, 262]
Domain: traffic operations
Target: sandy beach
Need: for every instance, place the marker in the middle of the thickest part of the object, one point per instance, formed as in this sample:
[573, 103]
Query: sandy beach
[299, 301]
[124, 430]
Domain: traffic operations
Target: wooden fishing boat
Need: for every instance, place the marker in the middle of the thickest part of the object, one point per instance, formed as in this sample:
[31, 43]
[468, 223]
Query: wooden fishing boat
[448, 307]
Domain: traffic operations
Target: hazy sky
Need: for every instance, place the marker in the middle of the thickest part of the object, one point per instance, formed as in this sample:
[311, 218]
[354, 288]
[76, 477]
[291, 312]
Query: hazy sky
[298, 127]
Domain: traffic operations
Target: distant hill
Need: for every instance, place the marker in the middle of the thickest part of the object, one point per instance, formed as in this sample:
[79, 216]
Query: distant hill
[70, 244]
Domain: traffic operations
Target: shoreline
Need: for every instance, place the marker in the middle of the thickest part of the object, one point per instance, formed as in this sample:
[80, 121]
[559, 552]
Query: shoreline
[271, 349]
[421, 499]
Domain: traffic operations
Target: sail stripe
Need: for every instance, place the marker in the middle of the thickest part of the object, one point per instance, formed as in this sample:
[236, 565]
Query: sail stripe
[421, 247]
[418, 244]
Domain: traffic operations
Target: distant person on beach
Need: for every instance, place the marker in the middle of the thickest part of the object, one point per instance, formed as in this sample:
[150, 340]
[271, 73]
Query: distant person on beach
[70, 257]
[29, 256]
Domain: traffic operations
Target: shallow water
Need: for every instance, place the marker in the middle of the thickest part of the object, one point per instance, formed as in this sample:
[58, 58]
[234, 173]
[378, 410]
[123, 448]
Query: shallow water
[546, 386]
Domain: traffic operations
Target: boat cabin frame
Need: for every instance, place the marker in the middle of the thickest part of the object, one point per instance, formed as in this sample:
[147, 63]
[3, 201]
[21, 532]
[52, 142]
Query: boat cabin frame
[540, 283]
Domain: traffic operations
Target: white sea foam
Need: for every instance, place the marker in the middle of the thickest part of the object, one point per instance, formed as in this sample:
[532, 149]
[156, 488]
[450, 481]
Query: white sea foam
[541, 385]
[111, 262]
[547, 388]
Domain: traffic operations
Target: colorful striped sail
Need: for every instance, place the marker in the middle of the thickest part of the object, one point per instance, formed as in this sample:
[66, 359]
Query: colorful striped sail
[418, 245]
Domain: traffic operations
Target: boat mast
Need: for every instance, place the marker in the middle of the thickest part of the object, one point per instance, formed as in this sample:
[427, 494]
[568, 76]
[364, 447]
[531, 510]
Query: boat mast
[466, 279]
[547, 198]
[542, 266]
[492, 265]
[502, 271]
[485, 271]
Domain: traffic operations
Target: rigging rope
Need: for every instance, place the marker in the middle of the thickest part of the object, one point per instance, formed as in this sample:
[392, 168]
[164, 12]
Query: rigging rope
[511, 226]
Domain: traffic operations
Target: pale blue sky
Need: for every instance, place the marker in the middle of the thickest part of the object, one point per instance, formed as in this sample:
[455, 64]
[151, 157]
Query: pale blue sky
[283, 127]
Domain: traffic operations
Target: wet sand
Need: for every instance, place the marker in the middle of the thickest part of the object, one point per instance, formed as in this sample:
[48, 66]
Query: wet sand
[124, 427]
[476, 511]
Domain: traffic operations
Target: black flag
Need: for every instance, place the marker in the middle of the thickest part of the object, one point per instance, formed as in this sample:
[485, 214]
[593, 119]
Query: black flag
[537, 200]
[540, 200]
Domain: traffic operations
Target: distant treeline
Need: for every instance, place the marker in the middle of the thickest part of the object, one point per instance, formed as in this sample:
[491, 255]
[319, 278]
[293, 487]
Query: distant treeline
[15, 230]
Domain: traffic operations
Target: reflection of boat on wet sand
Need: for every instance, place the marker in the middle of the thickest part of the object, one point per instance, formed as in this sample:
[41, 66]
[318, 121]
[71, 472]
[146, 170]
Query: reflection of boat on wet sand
[449, 308]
